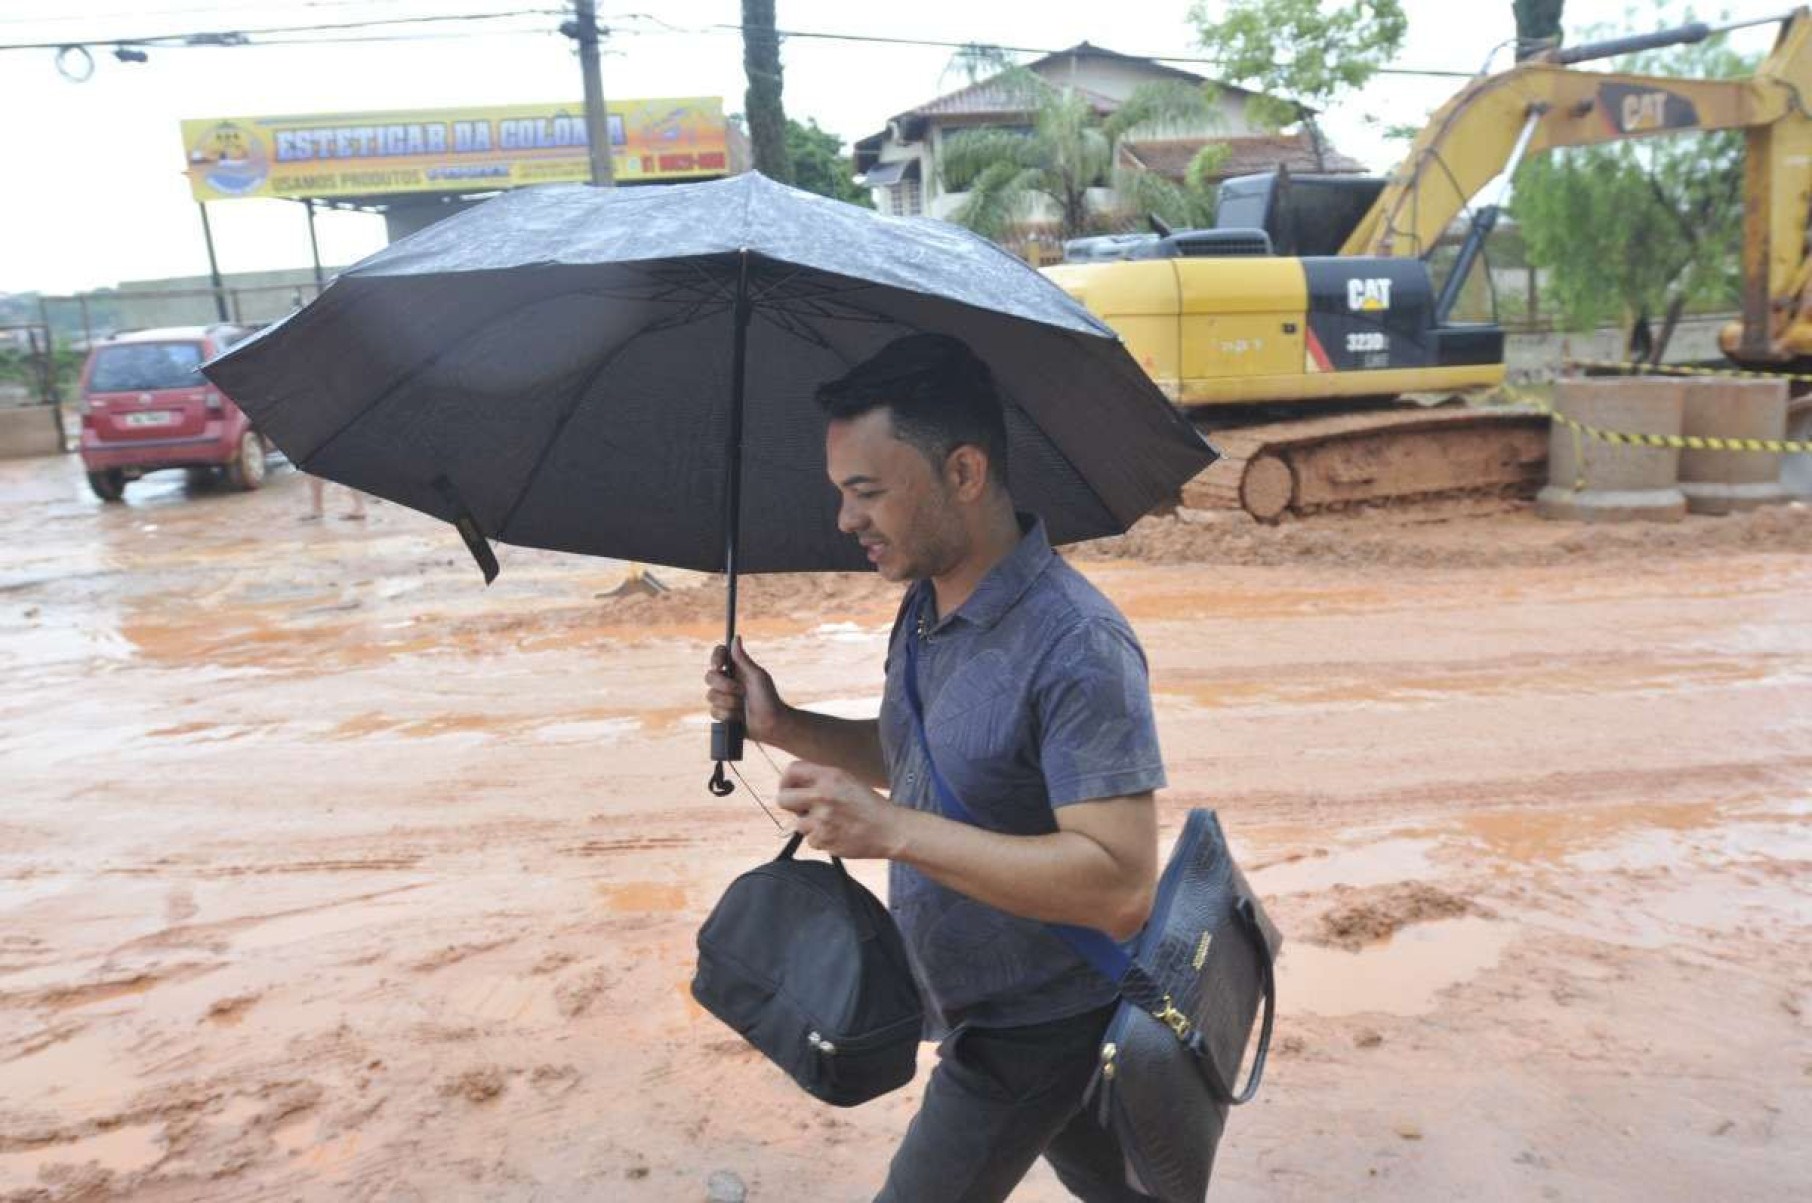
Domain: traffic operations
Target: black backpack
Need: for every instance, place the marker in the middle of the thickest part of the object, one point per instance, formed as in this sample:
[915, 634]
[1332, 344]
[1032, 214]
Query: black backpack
[809, 968]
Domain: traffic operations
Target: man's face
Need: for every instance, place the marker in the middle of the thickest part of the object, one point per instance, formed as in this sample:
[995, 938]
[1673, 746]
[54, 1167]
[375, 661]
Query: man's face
[899, 508]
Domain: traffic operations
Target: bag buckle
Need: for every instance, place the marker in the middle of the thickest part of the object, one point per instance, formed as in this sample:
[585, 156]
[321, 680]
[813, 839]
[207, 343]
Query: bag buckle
[1173, 1018]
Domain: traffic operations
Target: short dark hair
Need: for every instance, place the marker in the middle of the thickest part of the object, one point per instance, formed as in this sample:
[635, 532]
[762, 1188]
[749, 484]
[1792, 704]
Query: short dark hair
[938, 392]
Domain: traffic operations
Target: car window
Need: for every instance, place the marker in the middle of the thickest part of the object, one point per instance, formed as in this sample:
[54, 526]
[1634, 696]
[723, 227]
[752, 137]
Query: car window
[143, 367]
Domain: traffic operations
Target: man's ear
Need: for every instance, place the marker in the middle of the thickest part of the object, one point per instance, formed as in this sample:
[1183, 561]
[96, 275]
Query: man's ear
[966, 471]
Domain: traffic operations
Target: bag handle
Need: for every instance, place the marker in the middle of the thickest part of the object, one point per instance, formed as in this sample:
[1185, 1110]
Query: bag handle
[1247, 915]
[852, 893]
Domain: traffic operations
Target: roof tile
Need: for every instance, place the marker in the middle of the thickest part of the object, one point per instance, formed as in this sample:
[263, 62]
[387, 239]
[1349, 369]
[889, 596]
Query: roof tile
[1247, 155]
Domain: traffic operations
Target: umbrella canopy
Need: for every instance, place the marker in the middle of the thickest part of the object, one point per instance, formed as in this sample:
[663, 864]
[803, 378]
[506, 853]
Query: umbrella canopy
[592, 370]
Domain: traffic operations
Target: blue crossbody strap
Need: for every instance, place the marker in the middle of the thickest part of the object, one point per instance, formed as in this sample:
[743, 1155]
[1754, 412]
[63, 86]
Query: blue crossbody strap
[1096, 947]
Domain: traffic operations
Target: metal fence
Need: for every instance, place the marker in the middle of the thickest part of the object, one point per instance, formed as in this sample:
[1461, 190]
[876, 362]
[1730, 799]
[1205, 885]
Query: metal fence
[79, 321]
[28, 370]
[30, 380]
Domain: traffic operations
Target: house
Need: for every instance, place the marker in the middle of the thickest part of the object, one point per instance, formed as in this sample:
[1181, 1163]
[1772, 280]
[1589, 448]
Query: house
[1247, 154]
[900, 165]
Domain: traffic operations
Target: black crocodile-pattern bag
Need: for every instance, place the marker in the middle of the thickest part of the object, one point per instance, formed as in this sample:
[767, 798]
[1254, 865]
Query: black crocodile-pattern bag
[1200, 971]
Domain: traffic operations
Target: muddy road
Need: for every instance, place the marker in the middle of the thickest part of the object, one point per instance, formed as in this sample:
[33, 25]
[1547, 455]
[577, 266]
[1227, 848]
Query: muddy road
[326, 873]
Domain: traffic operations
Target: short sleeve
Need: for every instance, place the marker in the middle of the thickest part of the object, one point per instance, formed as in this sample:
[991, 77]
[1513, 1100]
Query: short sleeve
[1096, 734]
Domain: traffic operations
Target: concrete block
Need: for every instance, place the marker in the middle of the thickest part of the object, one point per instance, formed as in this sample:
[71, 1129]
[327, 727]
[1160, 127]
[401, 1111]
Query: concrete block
[29, 430]
[1722, 482]
[1590, 480]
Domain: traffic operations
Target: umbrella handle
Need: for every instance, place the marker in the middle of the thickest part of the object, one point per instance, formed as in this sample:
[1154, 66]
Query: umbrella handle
[726, 745]
[726, 740]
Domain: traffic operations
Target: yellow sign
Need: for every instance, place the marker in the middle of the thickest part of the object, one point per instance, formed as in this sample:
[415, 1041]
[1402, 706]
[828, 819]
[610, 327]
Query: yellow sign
[449, 150]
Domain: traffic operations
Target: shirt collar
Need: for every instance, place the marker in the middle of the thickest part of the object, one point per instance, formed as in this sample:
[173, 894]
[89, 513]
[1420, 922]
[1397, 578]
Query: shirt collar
[1008, 580]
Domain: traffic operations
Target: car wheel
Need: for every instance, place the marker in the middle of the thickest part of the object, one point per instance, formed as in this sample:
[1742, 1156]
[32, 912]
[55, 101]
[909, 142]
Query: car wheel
[246, 472]
[109, 485]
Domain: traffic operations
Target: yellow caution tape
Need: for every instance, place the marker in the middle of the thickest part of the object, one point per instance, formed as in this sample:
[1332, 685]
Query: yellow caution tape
[1683, 442]
[1663, 369]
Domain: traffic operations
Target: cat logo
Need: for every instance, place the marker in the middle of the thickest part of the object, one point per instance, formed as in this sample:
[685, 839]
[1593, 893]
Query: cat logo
[1368, 296]
[1643, 111]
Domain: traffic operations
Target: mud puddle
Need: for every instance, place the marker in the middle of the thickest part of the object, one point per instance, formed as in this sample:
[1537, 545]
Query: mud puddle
[1405, 975]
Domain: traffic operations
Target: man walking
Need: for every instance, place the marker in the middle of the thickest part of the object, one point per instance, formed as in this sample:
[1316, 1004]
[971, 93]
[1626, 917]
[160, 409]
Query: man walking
[1037, 713]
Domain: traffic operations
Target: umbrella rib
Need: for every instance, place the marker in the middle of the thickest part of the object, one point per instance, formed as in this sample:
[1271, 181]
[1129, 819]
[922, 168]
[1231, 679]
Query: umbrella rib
[719, 284]
[695, 284]
[553, 438]
[811, 289]
[692, 314]
[669, 291]
[786, 323]
[837, 311]
[775, 285]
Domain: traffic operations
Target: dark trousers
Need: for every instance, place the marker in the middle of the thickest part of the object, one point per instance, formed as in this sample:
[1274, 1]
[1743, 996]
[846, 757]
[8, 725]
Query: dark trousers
[998, 1098]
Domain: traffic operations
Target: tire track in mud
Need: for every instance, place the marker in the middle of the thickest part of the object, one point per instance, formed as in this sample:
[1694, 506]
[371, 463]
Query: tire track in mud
[166, 868]
[214, 934]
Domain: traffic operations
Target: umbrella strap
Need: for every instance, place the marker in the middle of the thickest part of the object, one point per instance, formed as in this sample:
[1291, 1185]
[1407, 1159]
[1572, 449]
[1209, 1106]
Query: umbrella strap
[729, 786]
[468, 528]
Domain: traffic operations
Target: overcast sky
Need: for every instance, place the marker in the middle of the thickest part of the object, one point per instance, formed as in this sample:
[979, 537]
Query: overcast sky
[94, 188]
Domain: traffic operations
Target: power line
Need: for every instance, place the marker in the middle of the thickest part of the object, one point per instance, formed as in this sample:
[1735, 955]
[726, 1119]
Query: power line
[223, 8]
[240, 37]
[373, 38]
[933, 43]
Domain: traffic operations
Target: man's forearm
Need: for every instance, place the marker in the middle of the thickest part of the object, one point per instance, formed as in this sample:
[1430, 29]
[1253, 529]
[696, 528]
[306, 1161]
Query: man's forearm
[1064, 877]
[853, 745]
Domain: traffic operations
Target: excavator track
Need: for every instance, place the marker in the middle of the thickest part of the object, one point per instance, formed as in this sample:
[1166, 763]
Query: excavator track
[1300, 467]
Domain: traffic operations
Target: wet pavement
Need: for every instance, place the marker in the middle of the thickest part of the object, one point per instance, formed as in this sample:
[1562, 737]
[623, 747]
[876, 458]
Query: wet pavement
[327, 873]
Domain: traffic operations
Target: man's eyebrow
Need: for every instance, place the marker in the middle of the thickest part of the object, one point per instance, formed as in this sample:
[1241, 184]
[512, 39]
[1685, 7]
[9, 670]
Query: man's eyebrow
[850, 482]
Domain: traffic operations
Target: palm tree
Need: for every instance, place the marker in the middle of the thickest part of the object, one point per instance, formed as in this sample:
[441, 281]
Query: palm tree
[1069, 149]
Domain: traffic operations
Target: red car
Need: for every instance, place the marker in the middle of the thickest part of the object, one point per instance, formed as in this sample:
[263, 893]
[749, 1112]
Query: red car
[146, 407]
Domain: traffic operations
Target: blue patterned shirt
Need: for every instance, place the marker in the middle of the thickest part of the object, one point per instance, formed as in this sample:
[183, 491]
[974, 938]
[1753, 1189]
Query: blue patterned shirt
[1036, 696]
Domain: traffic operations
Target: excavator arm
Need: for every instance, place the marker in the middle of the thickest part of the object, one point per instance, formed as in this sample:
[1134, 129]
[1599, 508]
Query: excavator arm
[1543, 104]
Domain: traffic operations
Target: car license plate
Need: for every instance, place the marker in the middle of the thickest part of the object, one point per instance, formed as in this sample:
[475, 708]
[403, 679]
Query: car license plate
[154, 417]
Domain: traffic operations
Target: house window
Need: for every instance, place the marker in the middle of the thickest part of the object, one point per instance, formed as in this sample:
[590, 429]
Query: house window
[903, 199]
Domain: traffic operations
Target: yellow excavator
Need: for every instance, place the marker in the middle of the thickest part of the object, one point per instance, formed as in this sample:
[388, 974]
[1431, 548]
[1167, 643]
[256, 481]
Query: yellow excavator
[1312, 299]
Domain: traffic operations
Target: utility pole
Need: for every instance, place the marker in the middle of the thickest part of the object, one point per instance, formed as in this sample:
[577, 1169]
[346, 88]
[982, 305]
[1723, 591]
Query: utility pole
[597, 124]
[219, 288]
[583, 28]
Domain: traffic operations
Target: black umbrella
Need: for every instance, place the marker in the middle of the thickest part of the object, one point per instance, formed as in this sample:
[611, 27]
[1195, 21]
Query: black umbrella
[630, 372]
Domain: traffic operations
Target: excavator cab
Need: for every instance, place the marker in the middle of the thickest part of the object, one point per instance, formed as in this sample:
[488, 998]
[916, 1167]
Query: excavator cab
[1302, 214]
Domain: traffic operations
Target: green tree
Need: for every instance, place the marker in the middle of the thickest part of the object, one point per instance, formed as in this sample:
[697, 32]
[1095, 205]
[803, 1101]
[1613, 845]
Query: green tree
[1299, 54]
[1068, 149]
[767, 115]
[976, 61]
[819, 164]
[1537, 25]
[1635, 229]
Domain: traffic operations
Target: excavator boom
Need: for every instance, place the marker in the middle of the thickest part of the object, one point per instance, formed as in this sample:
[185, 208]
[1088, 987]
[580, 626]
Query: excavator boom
[1549, 104]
